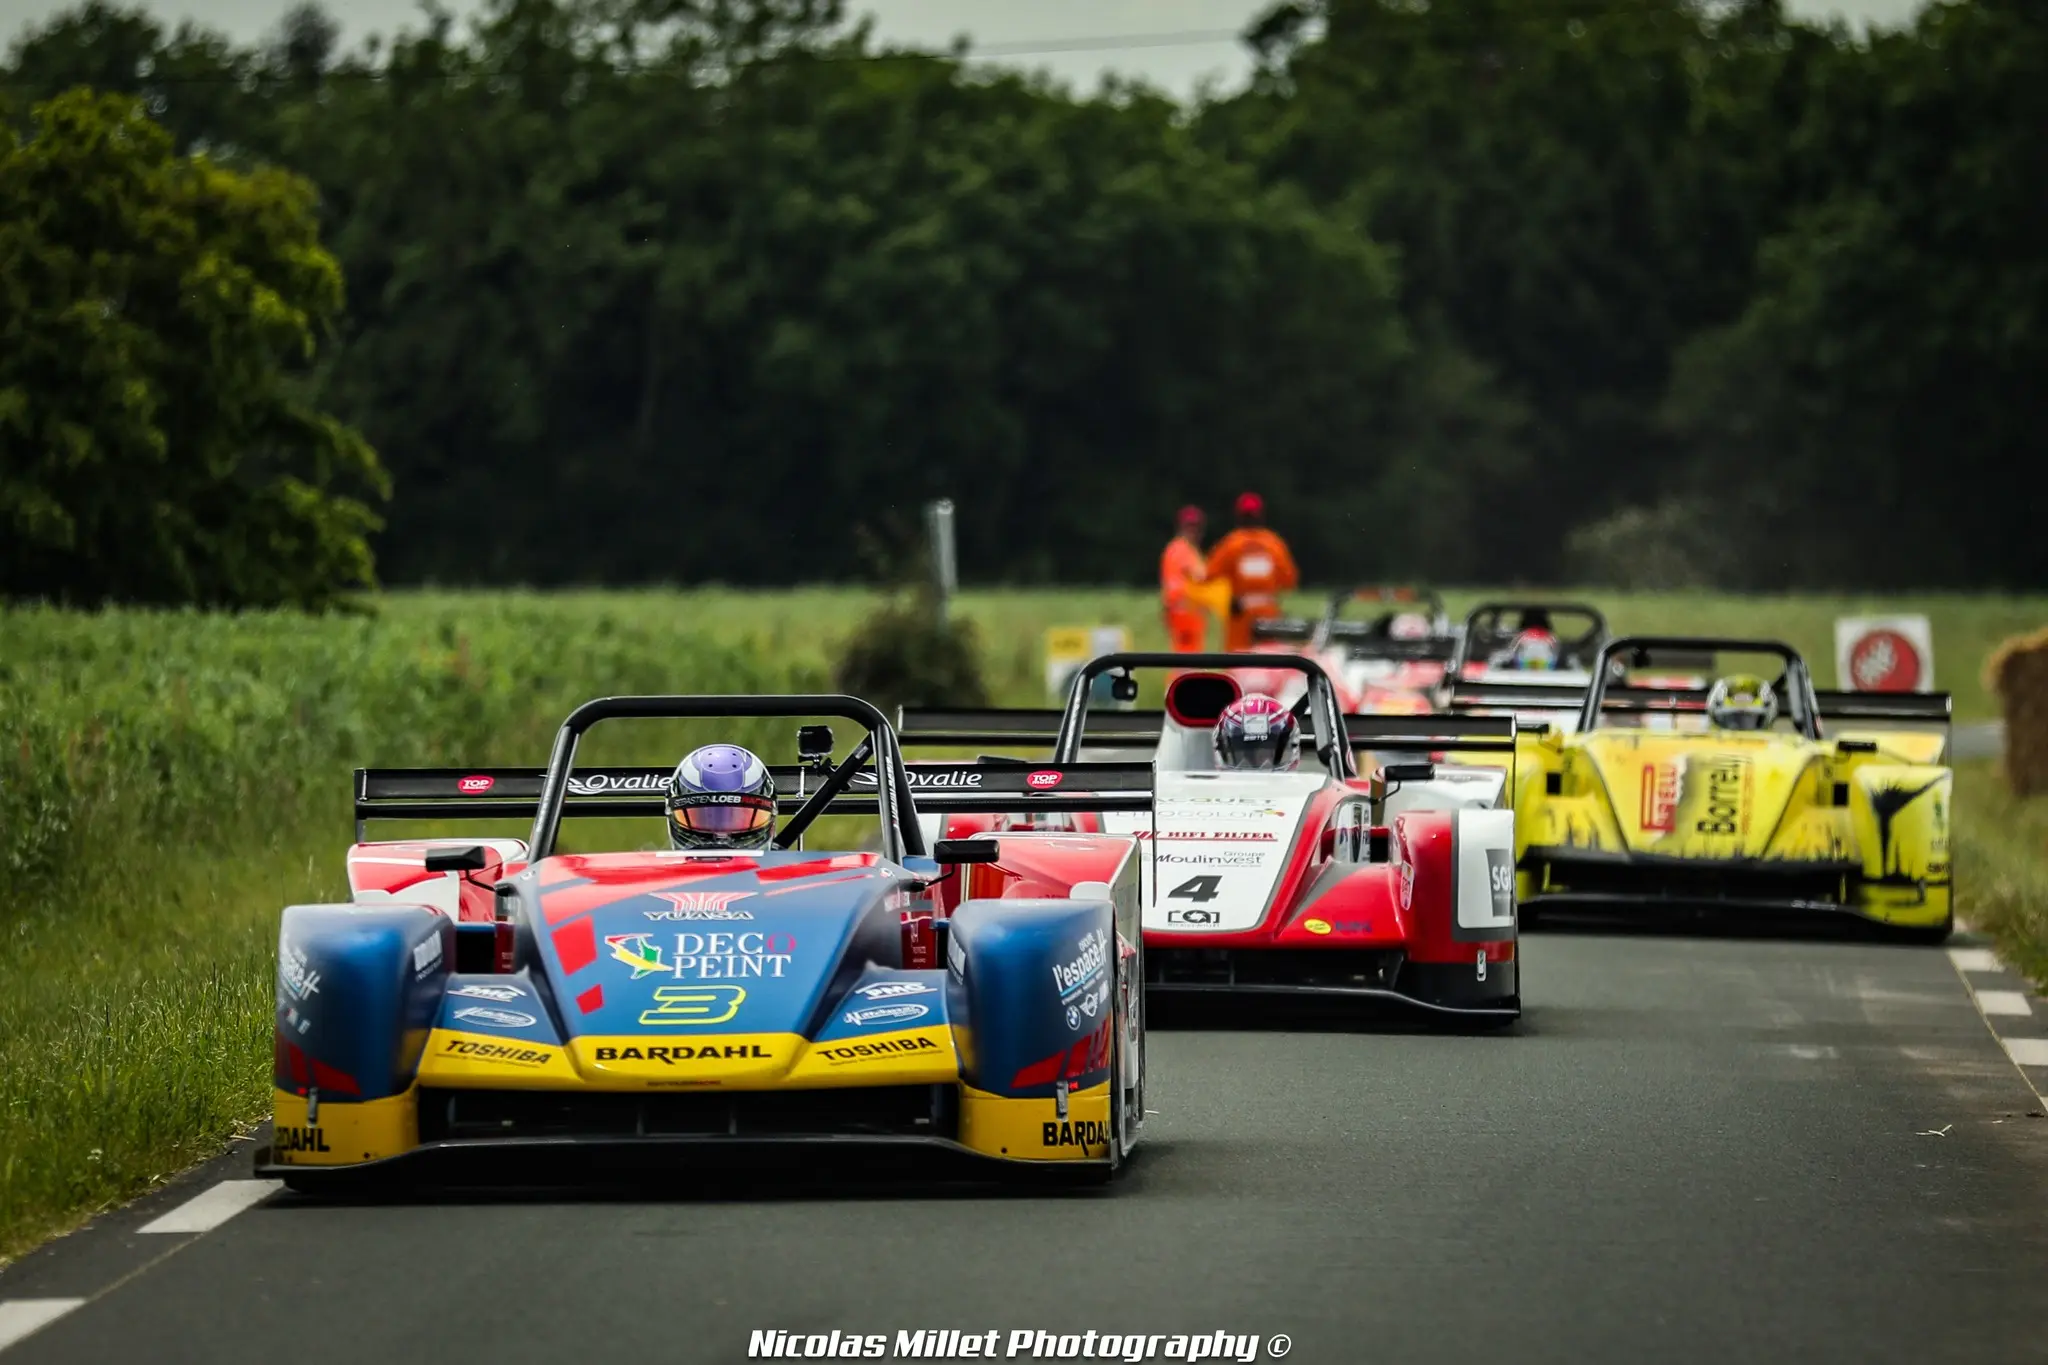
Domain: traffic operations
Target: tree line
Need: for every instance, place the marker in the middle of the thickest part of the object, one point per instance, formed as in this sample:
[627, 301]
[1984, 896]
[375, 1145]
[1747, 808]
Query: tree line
[1635, 291]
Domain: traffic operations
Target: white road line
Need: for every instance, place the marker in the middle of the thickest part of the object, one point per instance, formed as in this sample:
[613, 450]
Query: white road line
[2027, 1051]
[1975, 959]
[19, 1317]
[2004, 1002]
[208, 1209]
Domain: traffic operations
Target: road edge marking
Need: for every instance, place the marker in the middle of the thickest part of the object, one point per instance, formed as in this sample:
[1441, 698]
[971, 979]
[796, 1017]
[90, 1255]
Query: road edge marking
[1963, 961]
[22, 1318]
[212, 1206]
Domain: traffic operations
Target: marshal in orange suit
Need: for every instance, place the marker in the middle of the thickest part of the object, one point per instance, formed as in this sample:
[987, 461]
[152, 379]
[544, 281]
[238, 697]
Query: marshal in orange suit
[1257, 566]
[1181, 573]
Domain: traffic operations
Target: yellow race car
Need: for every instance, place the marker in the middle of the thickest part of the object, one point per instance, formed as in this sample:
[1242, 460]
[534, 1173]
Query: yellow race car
[1756, 793]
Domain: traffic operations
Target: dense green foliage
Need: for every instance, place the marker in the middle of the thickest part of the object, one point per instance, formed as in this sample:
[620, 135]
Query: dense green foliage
[685, 289]
[905, 653]
[153, 446]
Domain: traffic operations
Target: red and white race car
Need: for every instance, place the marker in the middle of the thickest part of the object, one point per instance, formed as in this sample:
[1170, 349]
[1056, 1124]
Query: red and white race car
[1387, 662]
[1390, 887]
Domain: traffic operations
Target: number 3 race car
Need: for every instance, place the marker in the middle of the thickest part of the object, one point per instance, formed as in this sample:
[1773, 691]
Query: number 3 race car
[1394, 889]
[1649, 810]
[480, 1004]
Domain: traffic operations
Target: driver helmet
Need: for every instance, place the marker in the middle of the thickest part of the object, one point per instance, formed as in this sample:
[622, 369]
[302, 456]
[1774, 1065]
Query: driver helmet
[720, 796]
[1530, 649]
[1742, 701]
[1256, 732]
[1409, 625]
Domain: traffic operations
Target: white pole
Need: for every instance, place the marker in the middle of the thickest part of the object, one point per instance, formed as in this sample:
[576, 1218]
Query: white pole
[945, 567]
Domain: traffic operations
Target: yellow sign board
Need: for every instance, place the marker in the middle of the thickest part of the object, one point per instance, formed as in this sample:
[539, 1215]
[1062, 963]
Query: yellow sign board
[1068, 647]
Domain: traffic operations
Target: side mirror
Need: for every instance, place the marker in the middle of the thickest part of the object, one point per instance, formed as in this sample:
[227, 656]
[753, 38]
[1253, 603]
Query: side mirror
[469, 859]
[1409, 772]
[1123, 688]
[967, 851]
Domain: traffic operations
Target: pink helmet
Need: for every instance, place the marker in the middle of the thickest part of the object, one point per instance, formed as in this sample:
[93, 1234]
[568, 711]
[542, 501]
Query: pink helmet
[1257, 732]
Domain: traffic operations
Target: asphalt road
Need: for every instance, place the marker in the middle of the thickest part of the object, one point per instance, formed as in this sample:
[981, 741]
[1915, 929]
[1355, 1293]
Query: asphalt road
[1691, 1150]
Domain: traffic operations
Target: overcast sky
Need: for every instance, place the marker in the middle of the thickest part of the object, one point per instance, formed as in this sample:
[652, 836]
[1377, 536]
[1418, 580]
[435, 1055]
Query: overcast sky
[1172, 43]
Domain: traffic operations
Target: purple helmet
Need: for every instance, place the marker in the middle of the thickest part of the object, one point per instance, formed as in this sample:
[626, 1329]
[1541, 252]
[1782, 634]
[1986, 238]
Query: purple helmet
[721, 796]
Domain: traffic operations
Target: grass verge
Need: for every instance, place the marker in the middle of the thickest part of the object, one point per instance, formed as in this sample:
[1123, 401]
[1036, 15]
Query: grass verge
[2002, 866]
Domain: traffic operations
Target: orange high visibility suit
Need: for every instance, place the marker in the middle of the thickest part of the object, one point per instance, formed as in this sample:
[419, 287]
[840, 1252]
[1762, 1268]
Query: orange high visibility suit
[1259, 568]
[1180, 568]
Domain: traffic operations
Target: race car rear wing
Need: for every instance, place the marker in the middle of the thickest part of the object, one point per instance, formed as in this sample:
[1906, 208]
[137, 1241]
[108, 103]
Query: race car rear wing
[1429, 734]
[1910, 707]
[1404, 734]
[1912, 710]
[1467, 695]
[940, 787]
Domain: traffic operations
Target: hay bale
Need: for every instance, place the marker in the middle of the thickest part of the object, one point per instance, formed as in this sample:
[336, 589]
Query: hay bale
[2017, 672]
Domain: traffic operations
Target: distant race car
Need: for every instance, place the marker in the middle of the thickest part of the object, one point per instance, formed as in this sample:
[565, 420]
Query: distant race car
[1627, 819]
[1389, 889]
[1515, 638]
[1387, 663]
[1534, 658]
[502, 1000]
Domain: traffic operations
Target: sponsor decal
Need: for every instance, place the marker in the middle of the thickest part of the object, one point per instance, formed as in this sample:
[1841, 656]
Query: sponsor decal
[637, 951]
[1044, 781]
[475, 786]
[496, 1018]
[877, 1014]
[302, 1140]
[889, 990]
[299, 1023]
[699, 905]
[670, 1054]
[1198, 801]
[511, 1053]
[1660, 796]
[1238, 836]
[922, 779]
[687, 1006]
[504, 995]
[1316, 926]
[1090, 960]
[1075, 1133]
[599, 784]
[841, 1053]
[1727, 780]
[1215, 859]
[1500, 872]
[725, 954]
[295, 974]
[427, 956]
[1192, 917]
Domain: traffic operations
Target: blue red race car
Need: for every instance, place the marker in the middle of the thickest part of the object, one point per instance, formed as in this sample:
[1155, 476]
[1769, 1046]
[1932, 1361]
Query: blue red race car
[481, 1004]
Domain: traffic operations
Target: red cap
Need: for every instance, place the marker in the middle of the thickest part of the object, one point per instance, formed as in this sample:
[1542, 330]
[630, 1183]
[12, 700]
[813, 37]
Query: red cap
[1191, 515]
[1250, 505]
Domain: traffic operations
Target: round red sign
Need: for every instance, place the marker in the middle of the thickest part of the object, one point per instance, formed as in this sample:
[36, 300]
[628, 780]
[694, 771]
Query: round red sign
[1884, 661]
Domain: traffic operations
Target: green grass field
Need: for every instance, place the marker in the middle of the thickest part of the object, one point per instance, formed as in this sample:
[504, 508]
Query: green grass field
[168, 781]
